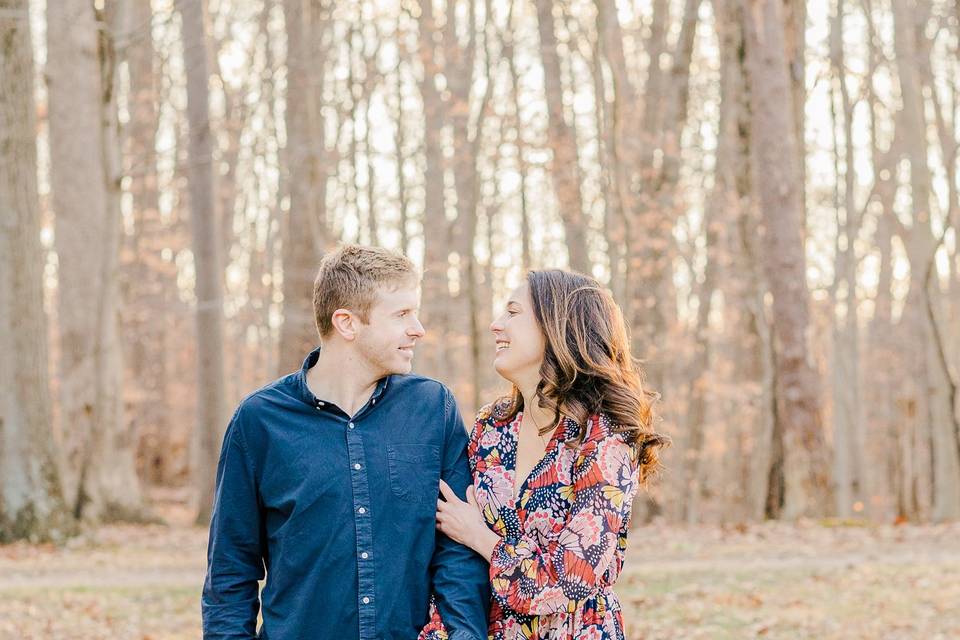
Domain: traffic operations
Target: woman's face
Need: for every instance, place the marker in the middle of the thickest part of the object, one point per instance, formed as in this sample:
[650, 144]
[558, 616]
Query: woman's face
[520, 343]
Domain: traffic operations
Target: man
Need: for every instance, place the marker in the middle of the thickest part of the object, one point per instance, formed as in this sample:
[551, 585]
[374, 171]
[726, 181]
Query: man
[328, 481]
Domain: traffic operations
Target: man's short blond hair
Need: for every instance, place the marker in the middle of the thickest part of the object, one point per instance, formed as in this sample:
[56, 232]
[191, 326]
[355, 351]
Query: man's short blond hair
[350, 277]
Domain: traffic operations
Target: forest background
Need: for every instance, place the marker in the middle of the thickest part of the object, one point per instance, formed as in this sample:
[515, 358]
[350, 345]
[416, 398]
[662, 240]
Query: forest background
[769, 189]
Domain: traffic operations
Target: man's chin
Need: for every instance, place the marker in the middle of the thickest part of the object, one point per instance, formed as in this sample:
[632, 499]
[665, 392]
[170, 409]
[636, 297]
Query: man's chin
[402, 366]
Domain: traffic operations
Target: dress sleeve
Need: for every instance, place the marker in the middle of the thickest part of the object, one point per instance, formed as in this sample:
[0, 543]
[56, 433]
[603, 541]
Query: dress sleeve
[473, 445]
[531, 579]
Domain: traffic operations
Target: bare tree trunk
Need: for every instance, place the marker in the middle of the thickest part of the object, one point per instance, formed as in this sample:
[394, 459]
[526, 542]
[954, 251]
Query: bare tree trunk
[943, 378]
[459, 69]
[614, 228]
[206, 256]
[795, 44]
[368, 152]
[564, 167]
[82, 96]
[806, 467]
[698, 375]
[848, 438]
[939, 489]
[399, 140]
[647, 233]
[885, 429]
[433, 358]
[31, 502]
[526, 258]
[305, 232]
[148, 279]
[883, 387]
[752, 486]
[647, 189]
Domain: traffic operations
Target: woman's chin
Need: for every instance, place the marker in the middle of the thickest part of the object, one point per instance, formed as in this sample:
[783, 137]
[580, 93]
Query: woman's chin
[503, 369]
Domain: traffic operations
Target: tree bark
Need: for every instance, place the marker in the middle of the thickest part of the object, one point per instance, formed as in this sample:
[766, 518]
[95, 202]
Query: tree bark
[305, 233]
[31, 502]
[459, 63]
[149, 281]
[433, 357]
[206, 256]
[526, 257]
[85, 184]
[647, 189]
[399, 142]
[939, 488]
[806, 466]
[564, 166]
[848, 441]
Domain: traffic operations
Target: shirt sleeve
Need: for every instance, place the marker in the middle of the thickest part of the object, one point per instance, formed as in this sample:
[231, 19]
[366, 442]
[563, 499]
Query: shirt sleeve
[230, 601]
[459, 575]
[531, 579]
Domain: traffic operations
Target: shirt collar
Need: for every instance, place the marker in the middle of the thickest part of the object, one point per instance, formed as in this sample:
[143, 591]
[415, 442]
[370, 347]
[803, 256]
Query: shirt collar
[304, 393]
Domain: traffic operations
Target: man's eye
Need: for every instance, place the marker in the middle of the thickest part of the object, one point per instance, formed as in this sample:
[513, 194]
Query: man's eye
[403, 313]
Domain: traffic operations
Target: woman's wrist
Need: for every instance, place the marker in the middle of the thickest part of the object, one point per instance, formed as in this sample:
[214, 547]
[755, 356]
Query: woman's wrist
[485, 542]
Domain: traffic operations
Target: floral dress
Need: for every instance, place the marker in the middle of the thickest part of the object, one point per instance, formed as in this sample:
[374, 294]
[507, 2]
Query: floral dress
[562, 537]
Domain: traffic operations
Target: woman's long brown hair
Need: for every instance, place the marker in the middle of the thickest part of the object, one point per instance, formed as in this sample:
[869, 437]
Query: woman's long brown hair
[587, 366]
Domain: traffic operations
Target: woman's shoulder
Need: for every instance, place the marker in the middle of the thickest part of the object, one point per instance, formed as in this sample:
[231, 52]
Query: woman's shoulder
[494, 413]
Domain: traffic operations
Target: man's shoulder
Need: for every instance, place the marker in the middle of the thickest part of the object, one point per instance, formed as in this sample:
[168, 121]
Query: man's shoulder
[428, 394]
[269, 395]
[414, 383]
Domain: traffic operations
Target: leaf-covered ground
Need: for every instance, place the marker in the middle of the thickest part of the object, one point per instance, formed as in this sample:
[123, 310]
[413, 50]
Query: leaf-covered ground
[764, 581]
[794, 581]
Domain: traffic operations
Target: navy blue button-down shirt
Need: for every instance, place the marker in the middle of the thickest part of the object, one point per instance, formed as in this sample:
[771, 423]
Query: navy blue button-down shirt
[338, 513]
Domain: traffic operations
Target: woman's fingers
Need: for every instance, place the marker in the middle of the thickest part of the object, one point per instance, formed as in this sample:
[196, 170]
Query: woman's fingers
[448, 492]
[471, 495]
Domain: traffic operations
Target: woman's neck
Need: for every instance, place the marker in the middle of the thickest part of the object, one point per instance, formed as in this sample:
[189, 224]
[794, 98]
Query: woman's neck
[541, 417]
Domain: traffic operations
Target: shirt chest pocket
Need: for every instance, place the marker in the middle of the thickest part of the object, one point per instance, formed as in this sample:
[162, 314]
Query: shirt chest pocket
[414, 472]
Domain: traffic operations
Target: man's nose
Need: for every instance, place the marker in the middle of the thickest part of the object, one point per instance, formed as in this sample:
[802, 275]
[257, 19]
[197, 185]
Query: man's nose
[418, 329]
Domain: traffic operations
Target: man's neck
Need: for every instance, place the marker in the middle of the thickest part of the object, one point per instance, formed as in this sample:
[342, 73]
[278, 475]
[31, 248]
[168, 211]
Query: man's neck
[342, 378]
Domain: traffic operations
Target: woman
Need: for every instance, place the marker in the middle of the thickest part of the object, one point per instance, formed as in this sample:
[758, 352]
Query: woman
[556, 464]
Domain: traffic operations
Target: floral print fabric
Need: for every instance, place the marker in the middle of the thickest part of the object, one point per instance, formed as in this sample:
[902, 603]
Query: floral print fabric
[563, 534]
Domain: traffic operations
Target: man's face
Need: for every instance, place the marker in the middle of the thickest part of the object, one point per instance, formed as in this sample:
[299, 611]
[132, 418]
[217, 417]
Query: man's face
[388, 340]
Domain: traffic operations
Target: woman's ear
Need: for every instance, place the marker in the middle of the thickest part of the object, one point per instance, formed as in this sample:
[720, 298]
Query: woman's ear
[344, 323]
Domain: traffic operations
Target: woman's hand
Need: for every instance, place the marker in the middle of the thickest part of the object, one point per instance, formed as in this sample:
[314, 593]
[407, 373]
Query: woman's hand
[463, 522]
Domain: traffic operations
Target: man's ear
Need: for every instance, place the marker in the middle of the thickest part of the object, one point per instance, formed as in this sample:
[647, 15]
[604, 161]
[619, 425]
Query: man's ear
[344, 323]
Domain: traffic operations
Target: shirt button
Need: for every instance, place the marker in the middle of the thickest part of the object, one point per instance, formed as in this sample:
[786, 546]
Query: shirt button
[366, 600]
[357, 467]
[364, 555]
[350, 425]
[361, 510]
